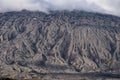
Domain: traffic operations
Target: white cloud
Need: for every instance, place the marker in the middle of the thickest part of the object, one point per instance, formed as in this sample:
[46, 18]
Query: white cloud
[102, 6]
[110, 6]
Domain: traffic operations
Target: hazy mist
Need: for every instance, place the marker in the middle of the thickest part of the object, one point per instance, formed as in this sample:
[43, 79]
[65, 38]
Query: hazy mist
[101, 6]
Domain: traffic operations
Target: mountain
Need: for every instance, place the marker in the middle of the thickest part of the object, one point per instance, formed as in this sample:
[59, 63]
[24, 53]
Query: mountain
[32, 43]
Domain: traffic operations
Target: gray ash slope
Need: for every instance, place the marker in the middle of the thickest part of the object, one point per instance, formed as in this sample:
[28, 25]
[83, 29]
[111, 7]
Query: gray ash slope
[62, 41]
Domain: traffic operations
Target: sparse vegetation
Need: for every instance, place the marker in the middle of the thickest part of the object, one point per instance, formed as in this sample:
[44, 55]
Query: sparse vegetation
[61, 41]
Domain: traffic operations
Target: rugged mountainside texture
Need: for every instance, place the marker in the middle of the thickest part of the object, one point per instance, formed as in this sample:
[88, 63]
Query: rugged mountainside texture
[58, 42]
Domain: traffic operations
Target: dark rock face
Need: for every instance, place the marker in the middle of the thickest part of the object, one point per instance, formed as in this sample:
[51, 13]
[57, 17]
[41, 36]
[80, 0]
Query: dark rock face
[36, 42]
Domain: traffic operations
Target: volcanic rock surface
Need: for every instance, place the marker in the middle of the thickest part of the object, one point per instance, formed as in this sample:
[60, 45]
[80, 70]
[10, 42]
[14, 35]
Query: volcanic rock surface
[58, 42]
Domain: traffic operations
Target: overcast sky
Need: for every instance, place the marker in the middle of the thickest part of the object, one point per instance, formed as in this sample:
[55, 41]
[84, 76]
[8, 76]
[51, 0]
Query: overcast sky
[101, 6]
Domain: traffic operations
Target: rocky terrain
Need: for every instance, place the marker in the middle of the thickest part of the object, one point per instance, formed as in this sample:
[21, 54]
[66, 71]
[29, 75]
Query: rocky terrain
[32, 43]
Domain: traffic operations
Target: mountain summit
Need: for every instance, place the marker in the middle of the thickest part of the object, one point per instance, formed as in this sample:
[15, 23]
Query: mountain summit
[59, 42]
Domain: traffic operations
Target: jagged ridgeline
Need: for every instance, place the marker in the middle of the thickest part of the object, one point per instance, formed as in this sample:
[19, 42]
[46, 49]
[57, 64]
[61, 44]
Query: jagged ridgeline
[58, 42]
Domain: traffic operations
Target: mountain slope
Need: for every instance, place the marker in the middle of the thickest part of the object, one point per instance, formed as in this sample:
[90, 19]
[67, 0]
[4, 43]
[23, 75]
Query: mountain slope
[36, 42]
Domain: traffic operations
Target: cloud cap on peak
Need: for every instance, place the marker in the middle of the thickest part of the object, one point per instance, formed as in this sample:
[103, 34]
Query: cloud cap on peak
[101, 6]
